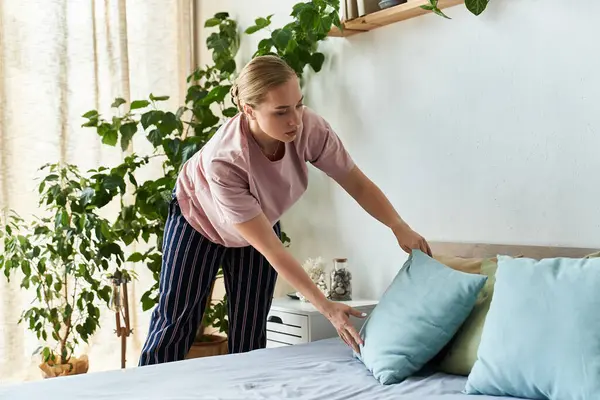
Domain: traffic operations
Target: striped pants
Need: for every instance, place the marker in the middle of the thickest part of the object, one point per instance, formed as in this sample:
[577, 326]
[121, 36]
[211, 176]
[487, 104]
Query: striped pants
[189, 267]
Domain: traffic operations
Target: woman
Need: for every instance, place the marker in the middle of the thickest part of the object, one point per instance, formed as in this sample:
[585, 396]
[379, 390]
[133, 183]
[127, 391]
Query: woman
[225, 211]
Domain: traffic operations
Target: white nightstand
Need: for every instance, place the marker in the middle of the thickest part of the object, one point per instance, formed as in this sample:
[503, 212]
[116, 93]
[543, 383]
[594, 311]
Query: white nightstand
[292, 321]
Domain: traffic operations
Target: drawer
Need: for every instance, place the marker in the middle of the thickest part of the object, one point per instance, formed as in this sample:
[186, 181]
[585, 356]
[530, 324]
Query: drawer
[285, 339]
[293, 326]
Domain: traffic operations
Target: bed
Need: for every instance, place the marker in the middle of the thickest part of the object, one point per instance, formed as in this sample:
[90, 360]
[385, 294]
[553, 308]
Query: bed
[320, 370]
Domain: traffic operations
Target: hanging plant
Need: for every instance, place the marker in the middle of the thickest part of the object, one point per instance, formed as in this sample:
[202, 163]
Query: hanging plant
[474, 6]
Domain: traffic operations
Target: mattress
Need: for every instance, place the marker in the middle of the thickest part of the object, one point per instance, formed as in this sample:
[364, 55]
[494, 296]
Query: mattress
[319, 370]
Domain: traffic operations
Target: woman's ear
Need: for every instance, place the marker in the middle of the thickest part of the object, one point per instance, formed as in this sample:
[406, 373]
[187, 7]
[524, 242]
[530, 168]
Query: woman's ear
[249, 111]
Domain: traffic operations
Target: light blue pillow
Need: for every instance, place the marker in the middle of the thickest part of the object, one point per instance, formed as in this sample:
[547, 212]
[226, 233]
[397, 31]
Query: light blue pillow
[416, 317]
[541, 337]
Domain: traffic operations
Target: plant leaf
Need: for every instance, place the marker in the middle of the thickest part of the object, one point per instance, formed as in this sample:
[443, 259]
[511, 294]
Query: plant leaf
[212, 22]
[308, 17]
[188, 151]
[168, 123]
[112, 182]
[118, 101]
[110, 137]
[139, 104]
[87, 195]
[217, 43]
[195, 93]
[228, 66]
[158, 98]
[298, 8]
[336, 21]
[106, 232]
[440, 13]
[25, 267]
[316, 61]
[90, 114]
[265, 44]
[155, 137]
[323, 25]
[135, 257]
[127, 131]
[230, 112]
[281, 37]
[262, 22]
[217, 94]
[476, 6]
[180, 111]
[252, 29]
[147, 301]
[148, 119]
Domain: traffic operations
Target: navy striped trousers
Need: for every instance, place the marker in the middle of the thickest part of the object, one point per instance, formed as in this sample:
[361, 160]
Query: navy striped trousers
[189, 267]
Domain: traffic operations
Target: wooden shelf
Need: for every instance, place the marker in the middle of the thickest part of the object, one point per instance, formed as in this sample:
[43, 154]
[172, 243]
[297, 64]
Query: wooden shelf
[387, 16]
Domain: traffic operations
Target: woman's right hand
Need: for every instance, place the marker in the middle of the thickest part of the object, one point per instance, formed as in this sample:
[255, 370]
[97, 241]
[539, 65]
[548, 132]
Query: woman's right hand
[339, 316]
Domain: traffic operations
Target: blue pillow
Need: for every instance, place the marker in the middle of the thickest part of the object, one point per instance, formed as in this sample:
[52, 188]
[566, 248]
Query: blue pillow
[541, 337]
[416, 317]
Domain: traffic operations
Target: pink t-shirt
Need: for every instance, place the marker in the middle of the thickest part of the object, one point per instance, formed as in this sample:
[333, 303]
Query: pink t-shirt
[231, 181]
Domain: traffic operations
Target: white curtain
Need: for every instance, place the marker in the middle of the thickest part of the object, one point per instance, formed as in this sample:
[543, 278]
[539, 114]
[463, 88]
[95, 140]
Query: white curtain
[59, 59]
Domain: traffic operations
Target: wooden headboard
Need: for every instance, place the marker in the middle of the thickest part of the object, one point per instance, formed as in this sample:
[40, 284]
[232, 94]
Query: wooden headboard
[491, 250]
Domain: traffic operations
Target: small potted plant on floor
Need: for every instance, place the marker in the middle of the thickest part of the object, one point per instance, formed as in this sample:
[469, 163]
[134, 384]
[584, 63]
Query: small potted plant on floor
[63, 257]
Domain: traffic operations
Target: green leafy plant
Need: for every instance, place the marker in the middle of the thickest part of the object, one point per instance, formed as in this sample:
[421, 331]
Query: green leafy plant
[64, 256]
[433, 6]
[176, 136]
[297, 42]
[474, 6]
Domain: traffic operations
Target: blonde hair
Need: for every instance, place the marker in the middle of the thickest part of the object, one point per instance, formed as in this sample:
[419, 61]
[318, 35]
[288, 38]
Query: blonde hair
[257, 77]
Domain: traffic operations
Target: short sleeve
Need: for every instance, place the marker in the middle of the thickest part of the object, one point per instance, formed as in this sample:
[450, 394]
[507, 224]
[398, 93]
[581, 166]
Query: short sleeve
[325, 149]
[231, 193]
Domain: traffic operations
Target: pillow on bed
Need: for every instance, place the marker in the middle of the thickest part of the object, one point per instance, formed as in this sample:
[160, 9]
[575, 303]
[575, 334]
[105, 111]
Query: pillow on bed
[460, 355]
[416, 317]
[542, 333]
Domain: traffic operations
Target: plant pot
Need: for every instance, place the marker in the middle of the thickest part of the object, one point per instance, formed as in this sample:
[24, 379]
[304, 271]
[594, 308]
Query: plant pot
[74, 366]
[215, 345]
[390, 3]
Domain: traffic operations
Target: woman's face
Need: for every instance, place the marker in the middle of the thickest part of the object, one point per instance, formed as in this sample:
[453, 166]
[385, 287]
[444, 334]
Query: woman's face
[279, 116]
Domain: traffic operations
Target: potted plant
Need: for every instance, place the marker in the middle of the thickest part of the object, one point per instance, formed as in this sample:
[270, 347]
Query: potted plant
[63, 257]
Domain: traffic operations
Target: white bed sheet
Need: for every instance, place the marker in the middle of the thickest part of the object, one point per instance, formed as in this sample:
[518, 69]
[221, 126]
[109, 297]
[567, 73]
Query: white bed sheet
[315, 371]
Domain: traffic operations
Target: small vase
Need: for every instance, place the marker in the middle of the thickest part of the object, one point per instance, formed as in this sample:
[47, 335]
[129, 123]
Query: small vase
[340, 288]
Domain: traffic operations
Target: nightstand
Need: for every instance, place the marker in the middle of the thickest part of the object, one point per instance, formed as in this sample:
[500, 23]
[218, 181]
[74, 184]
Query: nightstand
[292, 321]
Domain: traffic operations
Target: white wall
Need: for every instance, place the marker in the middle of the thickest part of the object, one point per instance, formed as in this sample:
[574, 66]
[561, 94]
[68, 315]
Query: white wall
[478, 129]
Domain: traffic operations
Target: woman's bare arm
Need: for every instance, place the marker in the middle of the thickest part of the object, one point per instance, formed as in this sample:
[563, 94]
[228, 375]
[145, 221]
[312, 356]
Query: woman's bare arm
[370, 197]
[259, 233]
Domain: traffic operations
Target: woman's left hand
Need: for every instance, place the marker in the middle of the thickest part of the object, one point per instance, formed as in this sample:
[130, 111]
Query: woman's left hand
[410, 240]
